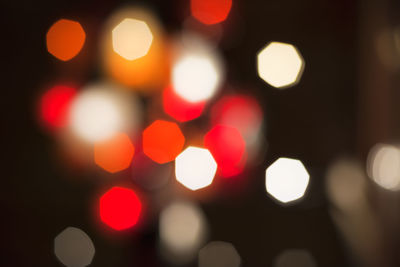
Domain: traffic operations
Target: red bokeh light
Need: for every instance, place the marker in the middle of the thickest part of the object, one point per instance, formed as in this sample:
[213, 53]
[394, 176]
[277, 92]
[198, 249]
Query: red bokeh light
[162, 141]
[180, 109]
[210, 11]
[240, 112]
[228, 149]
[114, 154]
[120, 208]
[54, 105]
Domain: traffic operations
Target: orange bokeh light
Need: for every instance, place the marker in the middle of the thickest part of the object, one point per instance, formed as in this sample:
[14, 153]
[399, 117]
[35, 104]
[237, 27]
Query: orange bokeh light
[65, 39]
[114, 154]
[210, 11]
[162, 141]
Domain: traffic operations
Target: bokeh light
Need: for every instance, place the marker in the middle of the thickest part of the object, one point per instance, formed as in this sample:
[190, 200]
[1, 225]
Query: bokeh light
[286, 180]
[180, 109]
[228, 148]
[120, 208]
[74, 248]
[195, 168]
[163, 141]
[65, 39]
[280, 65]
[219, 254]
[55, 104]
[346, 183]
[136, 53]
[183, 230]
[132, 38]
[383, 166]
[114, 154]
[295, 258]
[101, 110]
[210, 11]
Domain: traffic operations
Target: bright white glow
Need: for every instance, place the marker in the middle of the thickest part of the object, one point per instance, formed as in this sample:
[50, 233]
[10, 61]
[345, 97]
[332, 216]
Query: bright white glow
[132, 38]
[286, 179]
[280, 64]
[183, 230]
[100, 111]
[74, 248]
[195, 168]
[295, 257]
[219, 254]
[196, 76]
[383, 166]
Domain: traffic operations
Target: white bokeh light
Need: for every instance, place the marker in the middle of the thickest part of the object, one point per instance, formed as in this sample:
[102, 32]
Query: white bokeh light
[280, 64]
[183, 230]
[132, 39]
[74, 248]
[195, 168]
[286, 179]
[101, 110]
[383, 166]
[219, 254]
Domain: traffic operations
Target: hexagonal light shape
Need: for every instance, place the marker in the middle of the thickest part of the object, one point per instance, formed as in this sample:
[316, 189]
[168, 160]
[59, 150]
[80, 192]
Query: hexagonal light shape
[195, 168]
[73, 247]
[132, 39]
[280, 65]
[295, 257]
[217, 254]
[286, 179]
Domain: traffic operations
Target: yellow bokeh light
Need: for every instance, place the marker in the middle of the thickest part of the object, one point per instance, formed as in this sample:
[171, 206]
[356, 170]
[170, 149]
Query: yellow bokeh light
[132, 39]
[280, 65]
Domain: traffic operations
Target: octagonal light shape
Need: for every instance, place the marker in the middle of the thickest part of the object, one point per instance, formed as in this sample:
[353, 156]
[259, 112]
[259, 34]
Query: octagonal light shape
[286, 180]
[132, 39]
[280, 65]
[195, 168]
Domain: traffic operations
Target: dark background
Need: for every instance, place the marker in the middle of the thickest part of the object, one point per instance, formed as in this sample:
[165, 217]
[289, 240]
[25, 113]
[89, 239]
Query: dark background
[316, 121]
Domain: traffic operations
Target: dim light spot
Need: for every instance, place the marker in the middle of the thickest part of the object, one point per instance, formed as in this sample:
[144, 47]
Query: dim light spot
[120, 208]
[180, 109]
[286, 180]
[54, 106]
[195, 168]
[132, 39]
[383, 166]
[114, 154]
[65, 39]
[280, 64]
[227, 146]
[74, 248]
[210, 11]
[218, 254]
[162, 141]
[295, 257]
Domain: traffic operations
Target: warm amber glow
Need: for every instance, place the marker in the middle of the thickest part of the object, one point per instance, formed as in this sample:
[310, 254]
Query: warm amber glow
[65, 39]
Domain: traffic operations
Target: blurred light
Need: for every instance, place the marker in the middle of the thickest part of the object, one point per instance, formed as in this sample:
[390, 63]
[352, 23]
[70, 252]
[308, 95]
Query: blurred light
[120, 208]
[210, 11]
[65, 39]
[183, 230]
[101, 110]
[219, 254]
[180, 109]
[346, 183]
[387, 44]
[54, 106]
[286, 179]
[227, 146]
[132, 39]
[74, 248]
[162, 141]
[280, 64]
[134, 50]
[114, 154]
[383, 166]
[295, 258]
[195, 168]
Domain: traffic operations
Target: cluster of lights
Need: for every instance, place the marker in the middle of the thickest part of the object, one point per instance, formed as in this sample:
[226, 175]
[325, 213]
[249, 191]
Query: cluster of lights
[106, 118]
